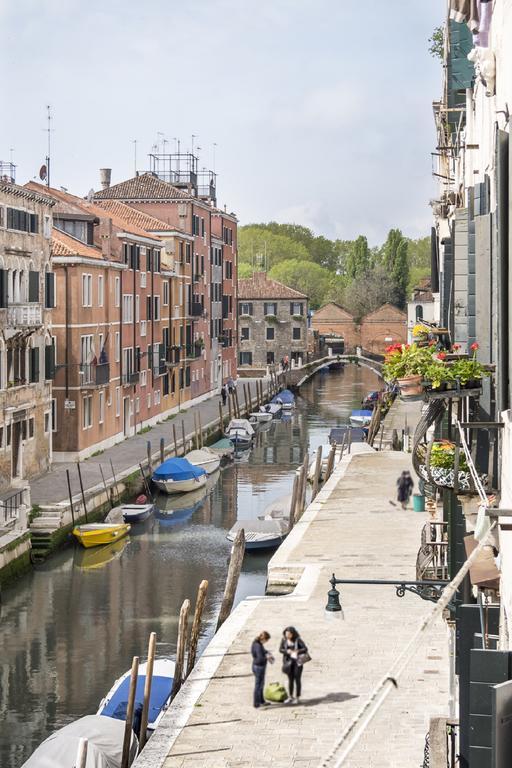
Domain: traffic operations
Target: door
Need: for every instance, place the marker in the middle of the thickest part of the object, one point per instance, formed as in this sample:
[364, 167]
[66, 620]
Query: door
[16, 449]
[126, 416]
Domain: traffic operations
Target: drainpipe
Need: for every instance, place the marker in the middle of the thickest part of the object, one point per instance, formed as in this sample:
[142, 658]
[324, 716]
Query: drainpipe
[67, 332]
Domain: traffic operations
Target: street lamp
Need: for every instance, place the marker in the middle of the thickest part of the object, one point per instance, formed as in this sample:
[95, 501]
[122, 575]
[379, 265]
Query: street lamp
[334, 609]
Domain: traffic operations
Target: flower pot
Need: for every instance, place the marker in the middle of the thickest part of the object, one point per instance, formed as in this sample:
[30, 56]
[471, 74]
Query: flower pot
[411, 386]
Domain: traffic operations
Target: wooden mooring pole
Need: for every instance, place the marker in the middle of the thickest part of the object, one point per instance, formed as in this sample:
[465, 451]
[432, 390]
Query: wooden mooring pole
[82, 489]
[109, 497]
[184, 445]
[162, 450]
[196, 626]
[115, 480]
[318, 472]
[130, 707]
[148, 453]
[235, 566]
[293, 503]
[199, 424]
[70, 498]
[221, 418]
[330, 462]
[175, 438]
[147, 691]
[180, 648]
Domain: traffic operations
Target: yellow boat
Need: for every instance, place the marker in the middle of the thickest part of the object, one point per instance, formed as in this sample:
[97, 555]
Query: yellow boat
[97, 534]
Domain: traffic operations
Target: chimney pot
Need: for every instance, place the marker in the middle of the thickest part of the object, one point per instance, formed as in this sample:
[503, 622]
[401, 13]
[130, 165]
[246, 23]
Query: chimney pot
[105, 176]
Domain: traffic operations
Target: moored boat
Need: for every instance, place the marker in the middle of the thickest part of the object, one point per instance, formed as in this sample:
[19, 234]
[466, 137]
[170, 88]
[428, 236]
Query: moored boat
[223, 448]
[205, 459]
[240, 432]
[360, 417]
[273, 408]
[136, 513]
[98, 534]
[115, 702]
[285, 399]
[260, 534]
[178, 476]
[260, 417]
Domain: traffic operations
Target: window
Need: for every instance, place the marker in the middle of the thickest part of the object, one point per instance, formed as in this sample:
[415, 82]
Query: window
[195, 224]
[203, 231]
[22, 221]
[137, 404]
[229, 270]
[142, 327]
[245, 358]
[156, 397]
[188, 252]
[165, 293]
[270, 358]
[244, 334]
[117, 347]
[101, 406]
[296, 308]
[137, 308]
[118, 401]
[270, 333]
[47, 420]
[86, 290]
[127, 308]
[31, 424]
[54, 414]
[127, 360]
[49, 290]
[296, 333]
[143, 378]
[47, 226]
[142, 279]
[270, 308]
[419, 312]
[87, 412]
[156, 313]
[117, 290]
[100, 290]
[246, 308]
[149, 400]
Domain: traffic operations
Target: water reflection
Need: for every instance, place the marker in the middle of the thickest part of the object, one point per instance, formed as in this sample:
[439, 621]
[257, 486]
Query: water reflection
[71, 627]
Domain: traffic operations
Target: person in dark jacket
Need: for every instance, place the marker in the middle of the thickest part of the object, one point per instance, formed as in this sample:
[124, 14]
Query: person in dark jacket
[292, 646]
[260, 657]
[405, 485]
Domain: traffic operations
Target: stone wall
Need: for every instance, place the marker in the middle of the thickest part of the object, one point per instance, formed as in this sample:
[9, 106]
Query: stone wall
[282, 324]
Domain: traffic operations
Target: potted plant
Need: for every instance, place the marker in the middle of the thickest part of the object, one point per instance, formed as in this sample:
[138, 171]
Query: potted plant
[406, 364]
[420, 334]
[468, 371]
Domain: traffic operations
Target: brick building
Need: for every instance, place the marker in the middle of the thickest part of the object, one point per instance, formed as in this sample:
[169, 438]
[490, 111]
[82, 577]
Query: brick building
[272, 321]
[26, 353]
[386, 325]
[190, 209]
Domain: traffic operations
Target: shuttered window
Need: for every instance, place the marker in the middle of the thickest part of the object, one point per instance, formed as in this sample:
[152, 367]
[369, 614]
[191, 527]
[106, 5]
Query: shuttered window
[49, 290]
[49, 362]
[34, 365]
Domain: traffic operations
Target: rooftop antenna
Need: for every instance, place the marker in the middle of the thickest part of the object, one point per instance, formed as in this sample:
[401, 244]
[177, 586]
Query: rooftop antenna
[160, 138]
[194, 136]
[135, 156]
[49, 130]
[214, 148]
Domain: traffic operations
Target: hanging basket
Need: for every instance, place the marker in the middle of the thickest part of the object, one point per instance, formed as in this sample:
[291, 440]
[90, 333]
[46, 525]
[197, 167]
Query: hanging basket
[444, 477]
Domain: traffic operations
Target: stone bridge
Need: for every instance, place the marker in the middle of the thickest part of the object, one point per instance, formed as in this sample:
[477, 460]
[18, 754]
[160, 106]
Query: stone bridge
[295, 377]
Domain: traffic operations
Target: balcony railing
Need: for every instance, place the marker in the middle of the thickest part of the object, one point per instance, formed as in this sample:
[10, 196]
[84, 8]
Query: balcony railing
[196, 309]
[173, 355]
[130, 378]
[92, 375]
[432, 558]
[24, 315]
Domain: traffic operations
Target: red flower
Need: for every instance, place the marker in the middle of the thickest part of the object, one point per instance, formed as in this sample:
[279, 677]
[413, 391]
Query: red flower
[431, 343]
[456, 347]
[474, 346]
[441, 355]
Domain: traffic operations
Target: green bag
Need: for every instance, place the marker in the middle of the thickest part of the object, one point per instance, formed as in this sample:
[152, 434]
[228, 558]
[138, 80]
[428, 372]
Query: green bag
[275, 692]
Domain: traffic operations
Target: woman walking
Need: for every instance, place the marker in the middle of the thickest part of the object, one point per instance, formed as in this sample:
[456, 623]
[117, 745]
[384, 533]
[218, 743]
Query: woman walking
[405, 485]
[260, 657]
[294, 651]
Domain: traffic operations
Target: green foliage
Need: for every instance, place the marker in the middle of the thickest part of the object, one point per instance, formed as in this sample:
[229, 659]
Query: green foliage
[358, 262]
[442, 456]
[436, 40]
[262, 249]
[245, 270]
[394, 259]
[403, 360]
[304, 276]
[369, 292]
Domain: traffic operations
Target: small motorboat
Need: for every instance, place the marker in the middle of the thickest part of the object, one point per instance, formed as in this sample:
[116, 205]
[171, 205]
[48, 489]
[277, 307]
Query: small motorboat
[360, 418]
[285, 399]
[178, 476]
[205, 459]
[98, 534]
[273, 408]
[260, 534]
[260, 417]
[115, 702]
[104, 745]
[223, 448]
[136, 513]
[279, 509]
[240, 432]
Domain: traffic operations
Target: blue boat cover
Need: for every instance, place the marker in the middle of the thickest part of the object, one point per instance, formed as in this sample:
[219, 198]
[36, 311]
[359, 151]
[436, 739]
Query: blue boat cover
[363, 413]
[160, 691]
[286, 397]
[177, 469]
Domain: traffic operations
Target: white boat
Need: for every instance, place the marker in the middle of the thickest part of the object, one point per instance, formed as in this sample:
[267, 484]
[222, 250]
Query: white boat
[240, 432]
[260, 534]
[205, 459]
[273, 408]
[279, 509]
[115, 702]
[361, 418]
[260, 417]
[178, 476]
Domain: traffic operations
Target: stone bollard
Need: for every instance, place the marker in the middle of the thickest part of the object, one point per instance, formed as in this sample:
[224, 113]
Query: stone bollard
[21, 523]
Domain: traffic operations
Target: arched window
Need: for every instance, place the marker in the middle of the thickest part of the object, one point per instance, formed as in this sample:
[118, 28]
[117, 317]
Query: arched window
[419, 312]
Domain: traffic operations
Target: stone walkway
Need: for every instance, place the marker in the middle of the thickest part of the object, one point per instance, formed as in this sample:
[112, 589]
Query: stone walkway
[352, 528]
[52, 487]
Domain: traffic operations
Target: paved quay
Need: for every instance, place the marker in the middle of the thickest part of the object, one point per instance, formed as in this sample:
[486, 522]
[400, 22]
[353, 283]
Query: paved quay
[353, 529]
[52, 488]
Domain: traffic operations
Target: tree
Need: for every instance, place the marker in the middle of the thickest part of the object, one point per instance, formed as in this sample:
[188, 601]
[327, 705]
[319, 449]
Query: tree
[245, 270]
[394, 259]
[366, 294]
[304, 276]
[358, 261]
[262, 248]
[436, 41]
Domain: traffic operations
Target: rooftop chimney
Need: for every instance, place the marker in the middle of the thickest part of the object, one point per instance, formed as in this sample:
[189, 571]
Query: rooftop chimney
[105, 175]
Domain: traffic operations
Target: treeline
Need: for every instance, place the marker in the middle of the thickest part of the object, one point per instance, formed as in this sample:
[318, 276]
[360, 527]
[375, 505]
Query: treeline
[350, 272]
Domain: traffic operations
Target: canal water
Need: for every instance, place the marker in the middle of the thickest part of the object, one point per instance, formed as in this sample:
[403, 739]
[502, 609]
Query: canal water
[71, 627]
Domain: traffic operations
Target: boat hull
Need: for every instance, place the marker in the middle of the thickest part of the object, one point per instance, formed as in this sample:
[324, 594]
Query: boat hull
[260, 418]
[97, 536]
[136, 513]
[239, 439]
[180, 486]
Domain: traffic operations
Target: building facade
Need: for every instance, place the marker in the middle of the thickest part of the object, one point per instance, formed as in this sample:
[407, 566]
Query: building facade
[422, 308]
[26, 352]
[272, 323]
[376, 331]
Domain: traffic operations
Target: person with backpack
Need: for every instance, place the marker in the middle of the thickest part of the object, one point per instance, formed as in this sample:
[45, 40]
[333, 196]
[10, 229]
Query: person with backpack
[260, 657]
[295, 655]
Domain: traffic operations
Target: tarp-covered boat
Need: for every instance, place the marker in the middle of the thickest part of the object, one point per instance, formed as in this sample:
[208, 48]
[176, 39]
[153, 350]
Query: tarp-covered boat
[240, 432]
[205, 459]
[178, 476]
[285, 399]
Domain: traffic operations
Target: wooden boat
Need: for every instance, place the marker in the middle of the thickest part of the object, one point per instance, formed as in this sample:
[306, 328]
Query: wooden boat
[136, 513]
[260, 417]
[360, 418]
[223, 448]
[260, 534]
[115, 702]
[98, 534]
[240, 432]
[205, 459]
[178, 476]
[104, 740]
[279, 509]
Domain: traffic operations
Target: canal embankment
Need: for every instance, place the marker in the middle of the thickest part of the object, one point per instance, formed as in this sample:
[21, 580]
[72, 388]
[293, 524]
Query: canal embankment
[355, 529]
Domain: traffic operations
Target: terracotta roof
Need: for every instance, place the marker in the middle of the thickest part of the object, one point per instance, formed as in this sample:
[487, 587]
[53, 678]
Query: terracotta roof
[39, 194]
[146, 186]
[387, 311]
[259, 286]
[65, 245]
[134, 216]
[327, 309]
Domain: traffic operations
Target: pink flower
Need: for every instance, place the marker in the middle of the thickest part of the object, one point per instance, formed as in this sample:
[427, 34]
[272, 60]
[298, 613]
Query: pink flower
[456, 347]
[431, 343]
[441, 355]
[474, 346]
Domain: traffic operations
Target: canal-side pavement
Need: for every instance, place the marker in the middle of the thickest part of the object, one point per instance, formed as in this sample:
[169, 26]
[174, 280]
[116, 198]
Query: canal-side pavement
[355, 530]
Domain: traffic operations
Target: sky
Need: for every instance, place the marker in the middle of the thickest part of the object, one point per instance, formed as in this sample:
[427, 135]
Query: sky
[320, 110]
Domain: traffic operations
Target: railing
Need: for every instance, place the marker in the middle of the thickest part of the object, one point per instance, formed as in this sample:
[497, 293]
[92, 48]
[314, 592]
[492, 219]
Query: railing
[173, 355]
[196, 309]
[9, 507]
[130, 378]
[432, 559]
[94, 375]
[24, 315]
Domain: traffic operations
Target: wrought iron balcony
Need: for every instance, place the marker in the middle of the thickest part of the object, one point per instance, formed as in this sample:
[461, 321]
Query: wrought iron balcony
[172, 356]
[196, 309]
[24, 315]
[432, 559]
[94, 375]
[130, 379]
